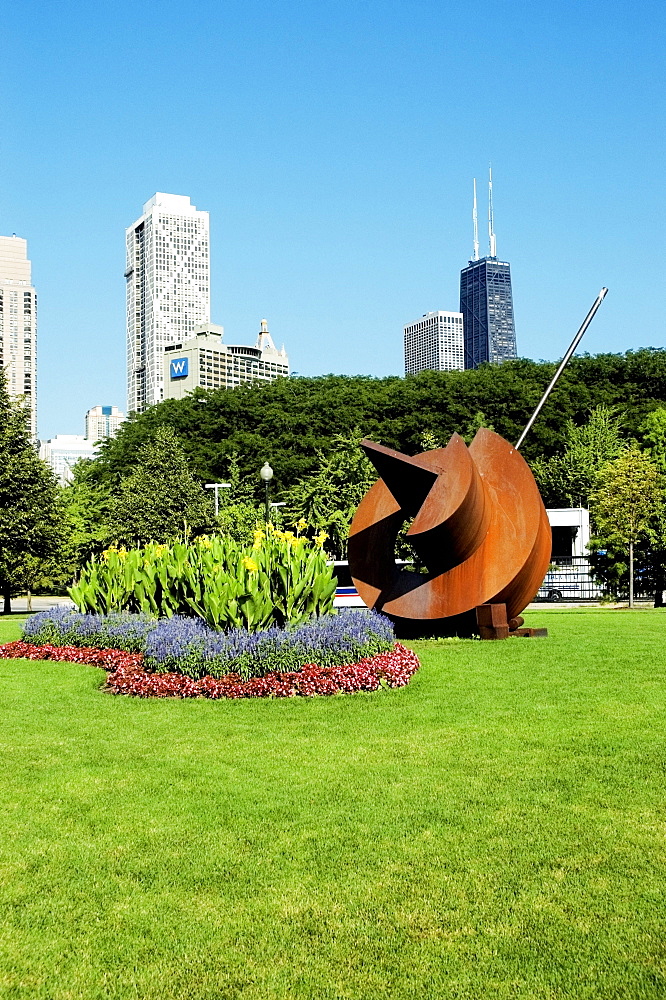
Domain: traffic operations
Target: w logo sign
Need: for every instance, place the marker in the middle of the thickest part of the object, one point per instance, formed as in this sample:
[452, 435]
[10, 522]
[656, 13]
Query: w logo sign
[179, 367]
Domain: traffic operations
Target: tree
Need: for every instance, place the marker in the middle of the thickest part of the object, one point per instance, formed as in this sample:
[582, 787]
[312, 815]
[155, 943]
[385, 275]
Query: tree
[327, 499]
[29, 516]
[468, 433]
[626, 498]
[161, 499]
[86, 511]
[570, 479]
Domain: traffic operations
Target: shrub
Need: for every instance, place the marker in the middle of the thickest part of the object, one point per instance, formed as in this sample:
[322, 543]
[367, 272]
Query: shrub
[282, 579]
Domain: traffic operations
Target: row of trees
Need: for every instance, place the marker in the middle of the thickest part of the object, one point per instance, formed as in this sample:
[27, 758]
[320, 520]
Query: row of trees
[148, 483]
[622, 481]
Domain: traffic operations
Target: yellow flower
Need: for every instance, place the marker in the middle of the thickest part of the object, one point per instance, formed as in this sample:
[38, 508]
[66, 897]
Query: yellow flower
[288, 535]
[320, 539]
[250, 564]
[302, 524]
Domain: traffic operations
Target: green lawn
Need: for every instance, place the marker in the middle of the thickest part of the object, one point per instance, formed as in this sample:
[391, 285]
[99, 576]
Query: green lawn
[495, 830]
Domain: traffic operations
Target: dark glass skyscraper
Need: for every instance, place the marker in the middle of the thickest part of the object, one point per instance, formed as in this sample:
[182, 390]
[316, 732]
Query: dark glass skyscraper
[486, 303]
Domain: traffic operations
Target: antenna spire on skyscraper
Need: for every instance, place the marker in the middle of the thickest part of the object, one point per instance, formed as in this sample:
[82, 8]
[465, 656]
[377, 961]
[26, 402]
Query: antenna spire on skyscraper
[491, 221]
[476, 226]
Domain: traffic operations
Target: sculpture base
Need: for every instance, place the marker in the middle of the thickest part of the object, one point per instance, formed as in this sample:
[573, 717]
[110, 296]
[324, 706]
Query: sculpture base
[489, 621]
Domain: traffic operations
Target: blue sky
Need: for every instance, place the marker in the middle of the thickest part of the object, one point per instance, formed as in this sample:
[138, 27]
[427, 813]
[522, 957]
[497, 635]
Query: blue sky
[334, 145]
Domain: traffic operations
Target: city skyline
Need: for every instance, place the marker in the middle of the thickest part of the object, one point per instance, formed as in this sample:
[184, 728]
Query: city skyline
[338, 192]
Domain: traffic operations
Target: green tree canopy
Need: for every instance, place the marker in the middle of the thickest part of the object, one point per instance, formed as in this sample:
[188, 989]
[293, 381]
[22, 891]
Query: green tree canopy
[570, 479]
[161, 499]
[327, 499]
[291, 422]
[626, 499]
[29, 513]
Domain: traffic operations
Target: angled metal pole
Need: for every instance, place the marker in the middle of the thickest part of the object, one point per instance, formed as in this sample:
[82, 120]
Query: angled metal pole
[565, 360]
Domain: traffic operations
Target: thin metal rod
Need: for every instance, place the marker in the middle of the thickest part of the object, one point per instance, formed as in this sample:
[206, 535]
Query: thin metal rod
[572, 347]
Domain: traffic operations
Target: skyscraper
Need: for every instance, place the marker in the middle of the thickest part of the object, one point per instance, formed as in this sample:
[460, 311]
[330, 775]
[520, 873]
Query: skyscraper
[434, 342]
[168, 285]
[486, 301]
[18, 323]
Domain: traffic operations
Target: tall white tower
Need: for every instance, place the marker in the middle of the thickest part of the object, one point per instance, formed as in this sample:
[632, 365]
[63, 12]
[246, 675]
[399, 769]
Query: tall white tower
[168, 289]
[18, 323]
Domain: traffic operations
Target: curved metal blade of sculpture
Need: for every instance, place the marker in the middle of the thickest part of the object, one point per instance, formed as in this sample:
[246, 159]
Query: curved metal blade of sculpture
[479, 527]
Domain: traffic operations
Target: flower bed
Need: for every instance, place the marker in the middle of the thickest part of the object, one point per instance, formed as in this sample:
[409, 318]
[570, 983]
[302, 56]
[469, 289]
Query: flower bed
[392, 668]
[188, 646]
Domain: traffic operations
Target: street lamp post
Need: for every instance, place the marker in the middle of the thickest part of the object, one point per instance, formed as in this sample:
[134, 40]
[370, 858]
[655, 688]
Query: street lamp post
[267, 474]
[217, 487]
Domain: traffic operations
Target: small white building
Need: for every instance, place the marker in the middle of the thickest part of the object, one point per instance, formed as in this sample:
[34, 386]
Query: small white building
[571, 532]
[63, 452]
[205, 362]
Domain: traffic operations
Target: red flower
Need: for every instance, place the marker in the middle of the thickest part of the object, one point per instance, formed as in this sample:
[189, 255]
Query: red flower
[126, 675]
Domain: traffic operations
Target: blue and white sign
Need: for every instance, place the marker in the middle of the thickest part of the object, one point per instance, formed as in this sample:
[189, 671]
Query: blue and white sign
[179, 367]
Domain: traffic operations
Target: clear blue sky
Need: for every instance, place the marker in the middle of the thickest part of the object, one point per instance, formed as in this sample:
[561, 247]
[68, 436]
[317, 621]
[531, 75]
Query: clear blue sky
[334, 145]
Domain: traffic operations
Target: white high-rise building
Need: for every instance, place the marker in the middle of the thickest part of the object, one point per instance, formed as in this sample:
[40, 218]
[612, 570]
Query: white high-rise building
[167, 289]
[434, 342]
[18, 323]
[103, 422]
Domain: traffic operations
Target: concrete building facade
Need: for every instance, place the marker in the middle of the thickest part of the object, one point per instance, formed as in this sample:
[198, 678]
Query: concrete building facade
[434, 342]
[168, 289]
[63, 452]
[103, 422]
[18, 323]
[204, 361]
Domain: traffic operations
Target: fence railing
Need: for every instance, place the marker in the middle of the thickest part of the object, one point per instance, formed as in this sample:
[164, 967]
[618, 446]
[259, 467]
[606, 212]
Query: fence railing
[573, 579]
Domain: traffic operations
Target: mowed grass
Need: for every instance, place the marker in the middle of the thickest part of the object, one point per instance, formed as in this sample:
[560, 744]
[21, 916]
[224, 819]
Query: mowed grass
[495, 830]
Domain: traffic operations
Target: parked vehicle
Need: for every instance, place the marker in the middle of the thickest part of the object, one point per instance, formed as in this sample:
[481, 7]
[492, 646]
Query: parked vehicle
[346, 594]
[569, 580]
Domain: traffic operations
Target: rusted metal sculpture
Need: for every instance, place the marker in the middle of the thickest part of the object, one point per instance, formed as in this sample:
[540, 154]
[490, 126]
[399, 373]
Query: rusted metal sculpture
[479, 527]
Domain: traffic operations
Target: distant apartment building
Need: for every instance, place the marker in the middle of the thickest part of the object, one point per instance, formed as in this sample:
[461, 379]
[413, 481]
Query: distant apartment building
[434, 342]
[204, 361]
[167, 272]
[63, 452]
[103, 422]
[18, 323]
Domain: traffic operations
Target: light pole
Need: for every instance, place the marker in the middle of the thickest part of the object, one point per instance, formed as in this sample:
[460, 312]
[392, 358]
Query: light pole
[217, 487]
[267, 474]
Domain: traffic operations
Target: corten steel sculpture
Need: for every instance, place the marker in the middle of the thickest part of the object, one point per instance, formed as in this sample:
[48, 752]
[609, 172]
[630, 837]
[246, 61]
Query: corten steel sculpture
[478, 525]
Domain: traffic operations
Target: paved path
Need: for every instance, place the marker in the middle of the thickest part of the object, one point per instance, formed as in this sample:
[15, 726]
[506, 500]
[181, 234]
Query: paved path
[20, 604]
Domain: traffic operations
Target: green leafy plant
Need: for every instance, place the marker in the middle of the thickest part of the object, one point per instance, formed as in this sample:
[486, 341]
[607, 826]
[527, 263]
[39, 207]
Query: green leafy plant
[282, 579]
